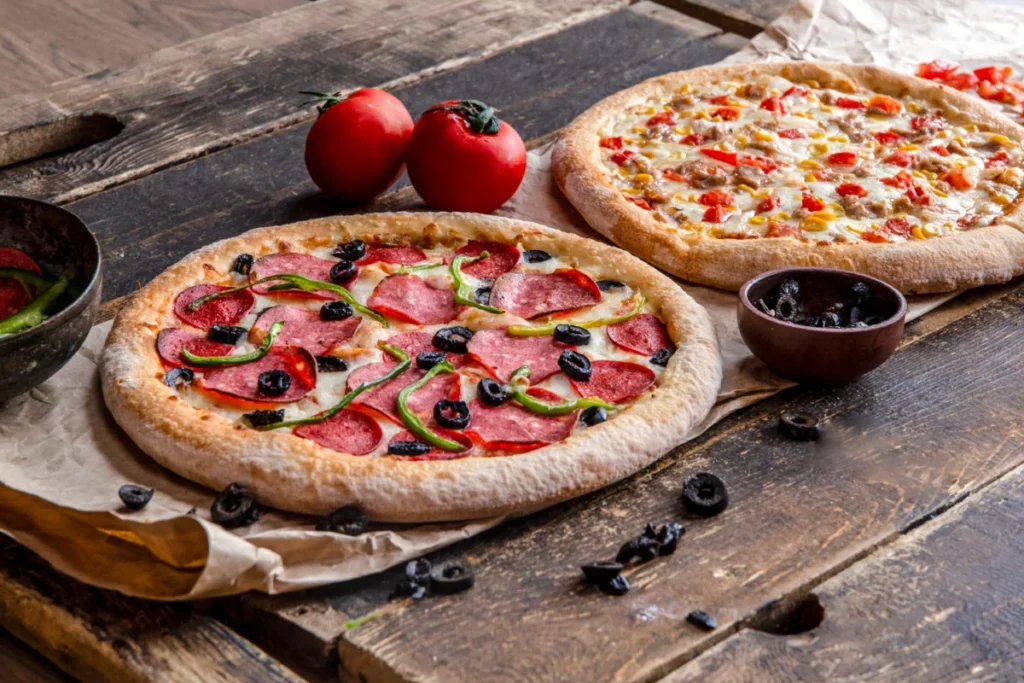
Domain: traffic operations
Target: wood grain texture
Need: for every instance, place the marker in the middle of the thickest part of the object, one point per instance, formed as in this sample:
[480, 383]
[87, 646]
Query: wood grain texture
[192, 99]
[944, 603]
[744, 17]
[22, 665]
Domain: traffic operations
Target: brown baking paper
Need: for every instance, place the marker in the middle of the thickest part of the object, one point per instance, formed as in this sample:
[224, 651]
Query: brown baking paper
[63, 459]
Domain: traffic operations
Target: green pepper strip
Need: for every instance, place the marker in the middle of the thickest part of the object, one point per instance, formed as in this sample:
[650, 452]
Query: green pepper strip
[26, 278]
[296, 282]
[549, 328]
[350, 396]
[535, 405]
[463, 294]
[32, 314]
[193, 359]
[412, 269]
[412, 421]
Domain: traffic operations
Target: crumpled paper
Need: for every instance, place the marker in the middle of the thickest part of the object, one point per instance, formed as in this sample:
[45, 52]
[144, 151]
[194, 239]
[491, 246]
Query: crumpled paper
[63, 458]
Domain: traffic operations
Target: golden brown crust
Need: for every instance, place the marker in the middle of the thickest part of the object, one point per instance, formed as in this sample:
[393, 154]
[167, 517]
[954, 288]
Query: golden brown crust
[972, 258]
[296, 474]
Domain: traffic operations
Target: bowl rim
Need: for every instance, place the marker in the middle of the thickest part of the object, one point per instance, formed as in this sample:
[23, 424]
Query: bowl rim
[899, 315]
[79, 304]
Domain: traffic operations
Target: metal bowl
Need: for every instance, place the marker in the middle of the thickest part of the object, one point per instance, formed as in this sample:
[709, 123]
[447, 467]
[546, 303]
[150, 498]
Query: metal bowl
[59, 242]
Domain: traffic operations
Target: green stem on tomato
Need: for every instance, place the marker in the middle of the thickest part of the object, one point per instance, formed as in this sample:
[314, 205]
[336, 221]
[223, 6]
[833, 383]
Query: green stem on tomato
[294, 281]
[535, 405]
[463, 293]
[413, 422]
[403, 365]
[268, 341]
[33, 313]
[549, 328]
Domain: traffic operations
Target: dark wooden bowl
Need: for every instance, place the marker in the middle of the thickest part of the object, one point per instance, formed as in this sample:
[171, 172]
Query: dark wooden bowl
[814, 355]
[59, 242]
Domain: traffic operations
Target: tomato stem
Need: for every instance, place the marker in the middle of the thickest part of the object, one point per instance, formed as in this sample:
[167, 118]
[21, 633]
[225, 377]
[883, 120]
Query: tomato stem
[481, 118]
[323, 100]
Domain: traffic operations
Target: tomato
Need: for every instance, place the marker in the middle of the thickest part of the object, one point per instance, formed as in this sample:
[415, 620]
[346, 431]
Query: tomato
[903, 159]
[792, 134]
[941, 150]
[716, 214]
[642, 203]
[902, 180]
[886, 104]
[719, 99]
[967, 220]
[776, 229]
[888, 137]
[13, 296]
[768, 204]
[962, 81]
[926, 123]
[693, 139]
[812, 203]
[872, 236]
[847, 189]
[774, 104]
[998, 93]
[721, 155]
[918, 195]
[611, 143]
[674, 175]
[994, 74]
[959, 178]
[620, 158]
[1000, 158]
[666, 117]
[356, 147]
[843, 158]
[796, 90]
[766, 164]
[727, 113]
[717, 198]
[937, 70]
[464, 158]
[850, 103]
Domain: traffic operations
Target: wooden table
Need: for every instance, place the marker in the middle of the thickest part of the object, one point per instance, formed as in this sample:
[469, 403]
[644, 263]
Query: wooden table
[890, 550]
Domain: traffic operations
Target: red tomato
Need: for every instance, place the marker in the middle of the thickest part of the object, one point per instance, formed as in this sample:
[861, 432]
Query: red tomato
[888, 137]
[356, 148]
[968, 220]
[768, 204]
[843, 158]
[993, 74]
[727, 113]
[792, 134]
[716, 214]
[774, 104]
[847, 189]
[1000, 158]
[674, 175]
[642, 203]
[464, 158]
[717, 198]
[996, 92]
[776, 229]
[937, 70]
[766, 164]
[903, 159]
[918, 195]
[693, 139]
[872, 236]
[620, 158]
[962, 81]
[796, 90]
[666, 117]
[926, 123]
[940, 150]
[959, 178]
[719, 99]
[812, 203]
[850, 103]
[901, 180]
[886, 104]
[720, 155]
[611, 143]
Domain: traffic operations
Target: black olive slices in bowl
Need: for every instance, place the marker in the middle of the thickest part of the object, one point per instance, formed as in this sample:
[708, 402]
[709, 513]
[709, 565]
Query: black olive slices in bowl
[424, 367]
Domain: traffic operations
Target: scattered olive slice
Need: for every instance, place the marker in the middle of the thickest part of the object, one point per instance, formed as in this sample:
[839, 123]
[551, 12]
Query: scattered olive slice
[789, 287]
[536, 256]
[261, 418]
[786, 308]
[451, 414]
[243, 264]
[617, 586]
[593, 415]
[348, 520]
[225, 334]
[642, 549]
[418, 570]
[661, 357]
[575, 365]
[705, 494]
[450, 577]
[571, 334]
[453, 339]
[429, 359]
[331, 364]
[273, 382]
[491, 392]
[336, 310]
[702, 619]
[134, 496]
[606, 285]
[799, 426]
[602, 570]
[234, 508]
[408, 448]
[343, 272]
[828, 319]
[350, 251]
[408, 589]
[176, 376]
[860, 294]
[668, 537]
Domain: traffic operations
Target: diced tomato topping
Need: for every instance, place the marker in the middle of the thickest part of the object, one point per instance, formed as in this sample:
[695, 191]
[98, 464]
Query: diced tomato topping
[716, 214]
[717, 198]
[887, 104]
[621, 158]
[967, 221]
[768, 204]
[902, 180]
[642, 203]
[898, 226]
[850, 103]
[941, 150]
[959, 178]
[1000, 158]
[937, 70]
[812, 203]
[997, 93]
[673, 175]
[926, 123]
[776, 229]
[720, 155]
[693, 139]
[848, 189]
[843, 158]
[903, 159]
[727, 113]
[666, 117]
[611, 143]
[796, 90]
[918, 195]
[792, 134]
[823, 174]
[766, 164]
[964, 81]
[888, 137]
[872, 236]
[719, 99]
[993, 74]
[774, 104]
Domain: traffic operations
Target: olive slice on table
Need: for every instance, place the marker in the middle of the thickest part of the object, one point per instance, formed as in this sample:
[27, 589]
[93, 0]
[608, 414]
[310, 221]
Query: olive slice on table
[702, 619]
[571, 334]
[602, 570]
[234, 508]
[134, 496]
[617, 586]
[348, 520]
[350, 251]
[450, 577]
[491, 392]
[418, 570]
[575, 365]
[705, 494]
[799, 426]
[668, 537]
[642, 549]
[451, 414]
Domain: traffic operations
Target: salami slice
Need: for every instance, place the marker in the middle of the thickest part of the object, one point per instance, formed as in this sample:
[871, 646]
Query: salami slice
[413, 300]
[304, 327]
[349, 431]
[300, 264]
[224, 310]
[170, 342]
[501, 259]
[512, 427]
[404, 256]
[615, 381]
[241, 380]
[13, 297]
[643, 334]
[415, 343]
[530, 295]
[15, 258]
[435, 453]
[502, 354]
[382, 398]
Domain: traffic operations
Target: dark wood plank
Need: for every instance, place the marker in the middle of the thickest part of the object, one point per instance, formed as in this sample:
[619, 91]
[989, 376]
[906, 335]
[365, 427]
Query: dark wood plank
[22, 665]
[192, 99]
[745, 17]
[942, 604]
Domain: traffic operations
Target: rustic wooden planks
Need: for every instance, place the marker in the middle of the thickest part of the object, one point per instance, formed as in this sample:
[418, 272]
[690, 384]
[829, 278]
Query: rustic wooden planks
[943, 603]
[22, 665]
[213, 92]
[745, 17]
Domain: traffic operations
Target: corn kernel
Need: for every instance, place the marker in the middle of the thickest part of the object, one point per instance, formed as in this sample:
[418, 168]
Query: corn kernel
[758, 220]
[932, 231]
[823, 215]
[813, 224]
[914, 107]
[715, 231]
[971, 128]
[808, 163]
[909, 148]
[811, 83]
[916, 232]
[855, 228]
[745, 188]
[684, 88]
[810, 178]
[702, 114]
[637, 129]
[839, 137]
[647, 110]
[743, 139]
[836, 209]
[643, 177]
[649, 155]
[780, 216]
[630, 190]
[960, 140]
[816, 135]
[827, 108]
[918, 174]
[1001, 199]
[624, 172]
[761, 194]
[763, 136]
[1000, 140]
[936, 189]
[818, 148]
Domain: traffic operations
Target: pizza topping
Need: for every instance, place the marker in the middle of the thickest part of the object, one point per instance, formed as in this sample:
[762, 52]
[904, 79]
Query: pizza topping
[501, 258]
[409, 298]
[571, 334]
[644, 334]
[402, 444]
[428, 359]
[347, 431]
[234, 508]
[615, 381]
[223, 310]
[176, 376]
[404, 256]
[170, 342]
[705, 494]
[611, 143]
[536, 256]
[350, 251]
[306, 328]
[530, 295]
[273, 382]
[383, 398]
[453, 339]
[243, 264]
[513, 426]
[464, 294]
[593, 415]
[268, 341]
[851, 190]
[575, 365]
[491, 392]
[348, 520]
[343, 272]
[405, 444]
[661, 357]
[262, 418]
[310, 267]
[451, 414]
[609, 285]
[243, 381]
[225, 334]
[336, 310]
[330, 364]
[502, 354]
[552, 326]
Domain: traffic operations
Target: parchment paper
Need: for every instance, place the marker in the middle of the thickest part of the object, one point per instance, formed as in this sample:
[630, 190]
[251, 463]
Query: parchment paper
[62, 459]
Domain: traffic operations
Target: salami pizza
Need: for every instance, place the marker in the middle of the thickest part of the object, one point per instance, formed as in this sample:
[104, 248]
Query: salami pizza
[720, 173]
[421, 366]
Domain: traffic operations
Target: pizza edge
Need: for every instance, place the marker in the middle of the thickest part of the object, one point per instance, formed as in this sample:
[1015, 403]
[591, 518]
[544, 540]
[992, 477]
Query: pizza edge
[988, 255]
[294, 474]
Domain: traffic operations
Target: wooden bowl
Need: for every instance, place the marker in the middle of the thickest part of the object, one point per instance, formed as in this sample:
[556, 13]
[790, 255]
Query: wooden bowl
[59, 242]
[816, 355]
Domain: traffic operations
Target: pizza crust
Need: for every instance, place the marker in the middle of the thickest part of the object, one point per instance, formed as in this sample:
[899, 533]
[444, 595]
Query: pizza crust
[971, 258]
[295, 474]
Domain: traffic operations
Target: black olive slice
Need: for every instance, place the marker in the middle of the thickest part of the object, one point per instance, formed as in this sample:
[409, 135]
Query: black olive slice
[571, 334]
[860, 294]
[451, 414]
[786, 308]
[575, 365]
[453, 339]
[702, 619]
[418, 571]
[408, 589]
[661, 357]
[225, 334]
[617, 586]
[668, 537]
[799, 426]
[176, 376]
[872, 320]
[336, 310]
[348, 520]
[828, 319]
[262, 418]
[234, 508]
[483, 295]
[243, 264]
[602, 570]
[593, 415]
[606, 285]
[536, 256]
[705, 494]
[343, 272]
[350, 251]
[789, 288]
[134, 496]
[408, 448]
[642, 549]
[331, 364]
[273, 382]
[450, 577]
[491, 392]
[429, 359]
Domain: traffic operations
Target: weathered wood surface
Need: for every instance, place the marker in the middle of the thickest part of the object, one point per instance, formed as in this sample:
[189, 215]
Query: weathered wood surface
[745, 17]
[22, 665]
[49, 40]
[192, 99]
[945, 603]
